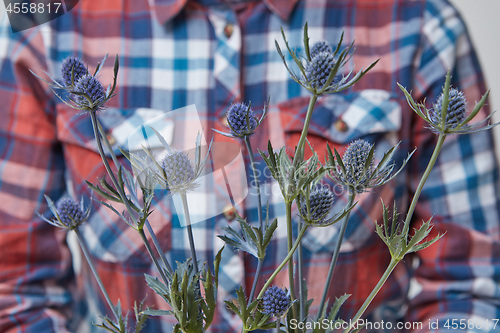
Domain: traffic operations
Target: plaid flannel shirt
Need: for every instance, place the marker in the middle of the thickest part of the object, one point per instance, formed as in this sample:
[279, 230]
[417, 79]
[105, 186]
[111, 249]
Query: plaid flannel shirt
[176, 53]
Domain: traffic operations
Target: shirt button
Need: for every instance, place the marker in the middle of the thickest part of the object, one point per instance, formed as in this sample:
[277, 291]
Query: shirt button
[111, 139]
[229, 213]
[228, 30]
[341, 126]
[224, 121]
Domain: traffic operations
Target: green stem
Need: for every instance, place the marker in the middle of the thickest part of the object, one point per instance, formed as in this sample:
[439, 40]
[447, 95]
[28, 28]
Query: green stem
[299, 150]
[283, 263]
[94, 271]
[437, 150]
[302, 295]
[299, 157]
[374, 292]
[156, 243]
[259, 211]
[255, 279]
[299, 153]
[150, 251]
[191, 244]
[278, 324]
[256, 179]
[123, 197]
[335, 257]
[189, 230]
[99, 133]
[289, 233]
[107, 143]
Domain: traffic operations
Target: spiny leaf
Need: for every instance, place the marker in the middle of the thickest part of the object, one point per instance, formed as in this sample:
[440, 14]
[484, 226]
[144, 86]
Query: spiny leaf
[231, 306]
[156, 313]
[306, 42]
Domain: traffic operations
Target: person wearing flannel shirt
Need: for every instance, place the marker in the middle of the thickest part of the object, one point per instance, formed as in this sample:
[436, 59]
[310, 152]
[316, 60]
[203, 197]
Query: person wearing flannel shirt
[211, 53]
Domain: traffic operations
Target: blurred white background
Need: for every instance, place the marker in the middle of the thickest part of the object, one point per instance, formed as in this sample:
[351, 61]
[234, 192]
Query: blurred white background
[482, 20]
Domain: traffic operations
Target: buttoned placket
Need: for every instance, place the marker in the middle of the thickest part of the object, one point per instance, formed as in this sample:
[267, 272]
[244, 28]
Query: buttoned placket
[227, 71]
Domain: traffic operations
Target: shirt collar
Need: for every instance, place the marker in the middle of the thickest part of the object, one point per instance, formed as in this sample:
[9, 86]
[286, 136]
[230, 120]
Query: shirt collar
[165, 10]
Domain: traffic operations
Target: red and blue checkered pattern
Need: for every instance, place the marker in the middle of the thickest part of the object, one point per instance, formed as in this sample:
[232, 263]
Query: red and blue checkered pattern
[207, 53]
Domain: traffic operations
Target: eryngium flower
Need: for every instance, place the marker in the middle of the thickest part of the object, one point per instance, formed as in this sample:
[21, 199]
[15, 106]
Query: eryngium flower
[319, 68]
[241, 120]
[70, 212]
[320, 203]
[320, 46]
[89, 93]
[276, 301]
[179, 173]
[456, 119]
[356, 170]
[67, 212]
[354, 159]
[86, 92]
[456, 111]
[72, 69]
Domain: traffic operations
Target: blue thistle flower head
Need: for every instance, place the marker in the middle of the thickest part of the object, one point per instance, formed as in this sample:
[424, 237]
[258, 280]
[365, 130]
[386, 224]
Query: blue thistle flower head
[94, 91]
[319, 68]
[321, 201]
[70, 213]
[241, 120]
[179, 172]
[318, 47]
[457, 119]
[276, 301]
[354, 160]
[321, 63]
[456, 112]
[72, 67]
[86, 92]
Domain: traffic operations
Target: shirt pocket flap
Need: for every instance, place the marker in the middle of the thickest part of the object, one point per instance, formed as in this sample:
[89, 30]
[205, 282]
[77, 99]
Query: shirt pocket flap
[344, 117]
[124, 128]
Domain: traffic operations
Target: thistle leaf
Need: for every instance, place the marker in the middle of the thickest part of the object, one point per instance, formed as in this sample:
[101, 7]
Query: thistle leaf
[306, 42]
[156, 313]
[102, 193]
[246, 241]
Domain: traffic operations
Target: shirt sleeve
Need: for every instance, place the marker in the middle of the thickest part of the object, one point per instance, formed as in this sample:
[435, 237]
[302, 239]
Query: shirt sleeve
[455, 286]
[35, 263]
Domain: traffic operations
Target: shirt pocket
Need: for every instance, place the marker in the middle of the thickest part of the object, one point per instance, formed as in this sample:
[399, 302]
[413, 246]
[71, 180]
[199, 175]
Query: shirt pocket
[337, 120]
[109, 238]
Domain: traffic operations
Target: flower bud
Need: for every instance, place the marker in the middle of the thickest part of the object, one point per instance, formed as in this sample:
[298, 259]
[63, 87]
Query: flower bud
[179, 173]
[276, 301]
[320, 46]
[241, 120]
[72, 67]
[320, 203]
[456, 112]
[70, 213]
[354, 160]
[319, 68]
[94, 90]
